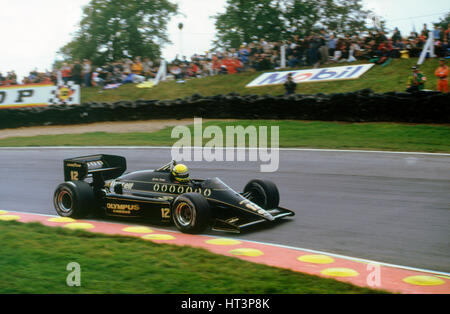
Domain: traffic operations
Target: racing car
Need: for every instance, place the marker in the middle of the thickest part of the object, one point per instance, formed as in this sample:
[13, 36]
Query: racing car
[97, 185]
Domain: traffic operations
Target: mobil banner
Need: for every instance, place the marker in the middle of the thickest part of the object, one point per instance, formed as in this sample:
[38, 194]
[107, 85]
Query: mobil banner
[313, 75]
[38, 95]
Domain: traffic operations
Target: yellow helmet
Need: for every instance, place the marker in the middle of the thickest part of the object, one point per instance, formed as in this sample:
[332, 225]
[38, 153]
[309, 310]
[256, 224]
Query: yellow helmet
[181, 173]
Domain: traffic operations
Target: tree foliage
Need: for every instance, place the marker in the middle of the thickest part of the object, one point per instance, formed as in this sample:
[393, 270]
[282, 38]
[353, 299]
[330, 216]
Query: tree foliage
[114, 29]
[246, 20]
[444, 21]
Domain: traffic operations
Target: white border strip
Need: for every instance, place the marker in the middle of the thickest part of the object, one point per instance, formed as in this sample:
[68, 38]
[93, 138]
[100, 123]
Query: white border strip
[356, 259]
[233, 148]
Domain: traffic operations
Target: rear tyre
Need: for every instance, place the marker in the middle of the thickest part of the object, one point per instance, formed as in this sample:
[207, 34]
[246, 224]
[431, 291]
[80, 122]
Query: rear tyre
[74, 199]
[191, 213]
[263, 193]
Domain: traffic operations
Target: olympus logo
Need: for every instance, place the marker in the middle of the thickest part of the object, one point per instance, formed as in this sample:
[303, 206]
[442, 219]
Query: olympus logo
[73, 165]
[122, 206]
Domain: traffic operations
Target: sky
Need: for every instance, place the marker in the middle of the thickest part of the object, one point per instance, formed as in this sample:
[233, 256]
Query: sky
[32, 31]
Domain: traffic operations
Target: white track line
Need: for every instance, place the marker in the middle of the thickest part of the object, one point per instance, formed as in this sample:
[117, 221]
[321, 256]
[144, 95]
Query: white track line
[226, 148]
[357, 259]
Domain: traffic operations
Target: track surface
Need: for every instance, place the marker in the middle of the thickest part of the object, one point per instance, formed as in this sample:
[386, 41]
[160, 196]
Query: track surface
[391, 208]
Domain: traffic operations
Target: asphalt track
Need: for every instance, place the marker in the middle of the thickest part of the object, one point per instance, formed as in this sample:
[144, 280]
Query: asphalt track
[387, 207]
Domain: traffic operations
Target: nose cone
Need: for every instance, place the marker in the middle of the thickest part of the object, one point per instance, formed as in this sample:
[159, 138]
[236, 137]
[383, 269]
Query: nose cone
[257, 210]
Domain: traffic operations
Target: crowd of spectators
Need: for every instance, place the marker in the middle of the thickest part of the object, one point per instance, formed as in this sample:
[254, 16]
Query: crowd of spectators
[318, 48]
[34, 77]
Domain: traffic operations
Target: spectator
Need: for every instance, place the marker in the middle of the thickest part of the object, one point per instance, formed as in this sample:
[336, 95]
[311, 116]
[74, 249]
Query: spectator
[137, 67]
[313, 50]
[263, 63]
[442, 75]
[207, 67]
[323, 46]
[341, 50]
[66, 73]
[193, 70]
[76, 72]
[332, 45]
[425, 31]
[380, 37]
[87, 72]
[239, 66]
[290, 85]
[445, 49]
[257, 55]
[99, 78]
[119, 68]
[147, 68]
[243, 55]
[175, 70]
[10, 79]
[397, 36]
[353, 49]
[412, 36]
[126, 65]
[397, 47]
[416, 81]
[447, 33]
[436, 33]
[440, 49]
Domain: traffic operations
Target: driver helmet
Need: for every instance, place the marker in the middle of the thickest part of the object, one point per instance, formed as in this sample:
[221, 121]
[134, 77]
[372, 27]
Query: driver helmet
[180, 173]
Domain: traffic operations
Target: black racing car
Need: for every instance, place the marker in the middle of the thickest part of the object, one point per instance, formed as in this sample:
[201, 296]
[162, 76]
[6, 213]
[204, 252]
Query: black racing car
[155, 196]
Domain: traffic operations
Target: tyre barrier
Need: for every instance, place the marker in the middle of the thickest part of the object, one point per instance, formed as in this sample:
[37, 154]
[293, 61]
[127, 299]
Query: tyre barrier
[360, 106]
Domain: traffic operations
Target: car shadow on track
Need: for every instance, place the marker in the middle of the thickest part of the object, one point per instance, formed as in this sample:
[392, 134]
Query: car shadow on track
[261, 227]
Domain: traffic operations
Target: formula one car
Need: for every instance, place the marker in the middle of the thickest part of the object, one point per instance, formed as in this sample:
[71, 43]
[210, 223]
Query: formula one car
[96, 185]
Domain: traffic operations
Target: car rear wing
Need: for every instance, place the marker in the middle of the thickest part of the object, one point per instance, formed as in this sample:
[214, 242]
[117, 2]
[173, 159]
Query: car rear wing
[107, 166]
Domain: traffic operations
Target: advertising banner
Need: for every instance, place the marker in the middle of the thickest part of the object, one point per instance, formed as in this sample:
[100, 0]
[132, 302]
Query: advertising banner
[312, 75]
[39, 95]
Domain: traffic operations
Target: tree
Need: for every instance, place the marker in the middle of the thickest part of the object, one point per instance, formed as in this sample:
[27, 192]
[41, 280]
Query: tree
[343, 16]
[114, 29]
[300, 16]
[274, 20]
[444, 21]
[248, 20]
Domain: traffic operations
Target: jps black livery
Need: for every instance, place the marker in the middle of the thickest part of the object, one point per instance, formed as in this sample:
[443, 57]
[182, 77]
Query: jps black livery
[154, 195]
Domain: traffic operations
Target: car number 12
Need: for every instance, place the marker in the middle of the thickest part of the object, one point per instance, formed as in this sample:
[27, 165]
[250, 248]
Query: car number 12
[74, 175]
[165, 213]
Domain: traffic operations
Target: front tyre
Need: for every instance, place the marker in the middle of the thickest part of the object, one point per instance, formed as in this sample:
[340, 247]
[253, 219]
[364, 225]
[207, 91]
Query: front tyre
[263, 193]
[191, 213]
[74, 199]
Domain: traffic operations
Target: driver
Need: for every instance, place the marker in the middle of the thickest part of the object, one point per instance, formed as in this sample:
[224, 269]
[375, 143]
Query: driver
[180, 173]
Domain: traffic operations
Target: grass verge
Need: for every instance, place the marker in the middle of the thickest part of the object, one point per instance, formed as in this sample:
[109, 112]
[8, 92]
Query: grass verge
[34, 260]
[305, 134]
[397, 71]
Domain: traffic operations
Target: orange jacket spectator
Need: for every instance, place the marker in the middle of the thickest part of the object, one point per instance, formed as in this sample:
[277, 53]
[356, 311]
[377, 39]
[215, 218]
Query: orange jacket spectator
[137, 68]
[65, 72]
[231, 65]
[192, 70]
[442, 75]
